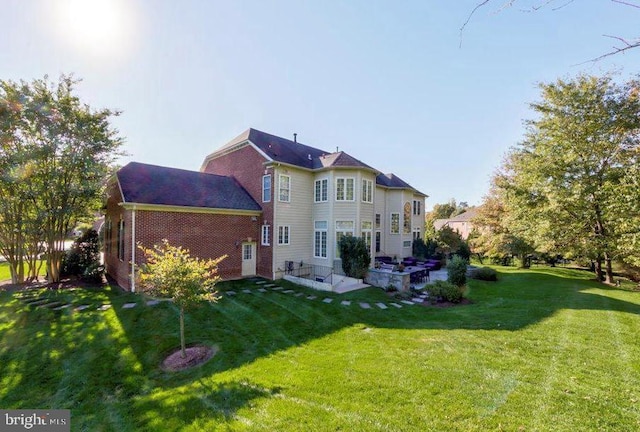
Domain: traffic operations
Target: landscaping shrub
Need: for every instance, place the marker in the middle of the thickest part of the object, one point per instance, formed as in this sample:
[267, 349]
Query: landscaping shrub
[457, 271]
[484, 273]
[445, 290]
[83, 259]
[355, 256]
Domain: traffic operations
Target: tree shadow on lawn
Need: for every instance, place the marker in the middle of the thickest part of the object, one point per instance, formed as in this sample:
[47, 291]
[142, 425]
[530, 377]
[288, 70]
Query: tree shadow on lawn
[86, 362]
[108, 362]
[246, 327]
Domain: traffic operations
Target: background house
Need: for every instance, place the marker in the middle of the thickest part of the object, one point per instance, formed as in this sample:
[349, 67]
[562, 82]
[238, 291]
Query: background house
[460, 223]
[274, 200]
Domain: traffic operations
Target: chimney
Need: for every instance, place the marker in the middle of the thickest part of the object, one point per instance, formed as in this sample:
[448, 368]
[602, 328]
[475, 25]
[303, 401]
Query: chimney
[295, 137]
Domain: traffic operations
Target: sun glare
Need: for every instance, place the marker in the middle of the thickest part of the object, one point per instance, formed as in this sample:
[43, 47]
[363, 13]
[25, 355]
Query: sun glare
[99, 28]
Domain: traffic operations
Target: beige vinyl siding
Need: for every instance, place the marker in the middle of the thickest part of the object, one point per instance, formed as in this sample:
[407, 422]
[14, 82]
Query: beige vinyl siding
[298, 215]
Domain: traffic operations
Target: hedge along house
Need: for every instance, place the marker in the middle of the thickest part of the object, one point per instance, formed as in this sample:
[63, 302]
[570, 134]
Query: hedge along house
[211, 215]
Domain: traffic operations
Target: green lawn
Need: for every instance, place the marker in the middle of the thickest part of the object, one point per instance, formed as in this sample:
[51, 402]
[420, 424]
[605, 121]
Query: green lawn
[5, 272]
[544, 349]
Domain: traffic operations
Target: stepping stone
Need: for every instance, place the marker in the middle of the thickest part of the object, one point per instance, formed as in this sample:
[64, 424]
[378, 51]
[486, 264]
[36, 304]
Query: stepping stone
[64, 306]
[270, 285]
[230, 293]
[328, 300]
[38, 302]
[396, 305]
[153, 302]
[129, 305]
[311, 297]
[261, 282]
[104, 307]
[365, 305]
[51, 305]
[81, 308]
[298, 294]
[288, 291]
[417, 300]
[246, 291]
[407, 302]
[262, 290]
[345, 302]
[381, 305]
[277, 288]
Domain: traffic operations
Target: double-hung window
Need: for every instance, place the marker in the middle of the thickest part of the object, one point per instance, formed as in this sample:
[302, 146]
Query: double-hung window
[366, 227]
[395, 223]
[416, 207]
[367, 191]
[283, 235]
[344, 189]
[321, 190]
[320, 239]
[284, 184]
[266, 188]
[265, 235]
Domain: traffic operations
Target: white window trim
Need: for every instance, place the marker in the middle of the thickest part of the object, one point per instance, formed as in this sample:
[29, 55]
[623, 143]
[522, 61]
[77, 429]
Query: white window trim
[265, 238]
[353, 180]
[369, 191]
[369, 231]
[284, 228]
[326, 240]
[280, 188]
[326, 181]
[268, 198]
[391, 223]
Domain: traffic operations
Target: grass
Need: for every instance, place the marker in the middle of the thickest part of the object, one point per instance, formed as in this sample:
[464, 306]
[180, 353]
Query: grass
[5, 272]
[542, 349]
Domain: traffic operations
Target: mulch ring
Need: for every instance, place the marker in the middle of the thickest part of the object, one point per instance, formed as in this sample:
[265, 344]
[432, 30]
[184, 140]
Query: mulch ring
[196, 355]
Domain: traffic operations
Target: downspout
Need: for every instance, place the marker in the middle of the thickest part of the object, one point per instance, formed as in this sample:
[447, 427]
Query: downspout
[133, 249]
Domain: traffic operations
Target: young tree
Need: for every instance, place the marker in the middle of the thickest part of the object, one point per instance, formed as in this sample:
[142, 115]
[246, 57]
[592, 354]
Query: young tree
[56, 153]
[562, 184]
[171, 272]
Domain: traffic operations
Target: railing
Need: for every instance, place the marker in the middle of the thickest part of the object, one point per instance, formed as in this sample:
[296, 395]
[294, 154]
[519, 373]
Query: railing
[308, 271]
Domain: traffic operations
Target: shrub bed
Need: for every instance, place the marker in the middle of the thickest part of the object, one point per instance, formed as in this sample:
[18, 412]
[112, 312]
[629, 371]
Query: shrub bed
[484, 273]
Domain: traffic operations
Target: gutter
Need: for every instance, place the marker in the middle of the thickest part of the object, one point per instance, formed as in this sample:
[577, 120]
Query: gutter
[133, 249]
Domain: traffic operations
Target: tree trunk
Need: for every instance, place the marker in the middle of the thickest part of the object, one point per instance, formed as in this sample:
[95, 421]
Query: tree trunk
[480, 258]
[182, 344]
[54, 260]
[608, 269]
[598, 268]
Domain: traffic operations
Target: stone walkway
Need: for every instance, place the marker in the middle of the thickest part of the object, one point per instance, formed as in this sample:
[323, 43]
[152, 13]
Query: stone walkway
[262, 287]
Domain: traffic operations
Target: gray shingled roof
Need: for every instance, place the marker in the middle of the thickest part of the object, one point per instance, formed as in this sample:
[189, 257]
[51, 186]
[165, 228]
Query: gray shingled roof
[298, 154]
[151, 184]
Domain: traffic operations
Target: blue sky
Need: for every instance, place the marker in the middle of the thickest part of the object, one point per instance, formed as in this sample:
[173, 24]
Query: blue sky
[385, 81]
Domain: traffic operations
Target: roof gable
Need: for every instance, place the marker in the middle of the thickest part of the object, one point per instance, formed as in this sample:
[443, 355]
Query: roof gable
[152, 184]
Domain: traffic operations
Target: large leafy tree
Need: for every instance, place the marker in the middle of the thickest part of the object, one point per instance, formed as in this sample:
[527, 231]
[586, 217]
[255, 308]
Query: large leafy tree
[171, 272]
[494, 234]
[56, 153]
[563, 184]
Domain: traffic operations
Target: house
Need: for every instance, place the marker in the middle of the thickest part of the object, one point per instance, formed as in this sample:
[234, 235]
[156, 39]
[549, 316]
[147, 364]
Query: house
[266, 202]
[461, 223]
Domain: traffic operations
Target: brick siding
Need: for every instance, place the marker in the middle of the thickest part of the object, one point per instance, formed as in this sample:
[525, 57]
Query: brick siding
[246, 165]
[205, 235]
